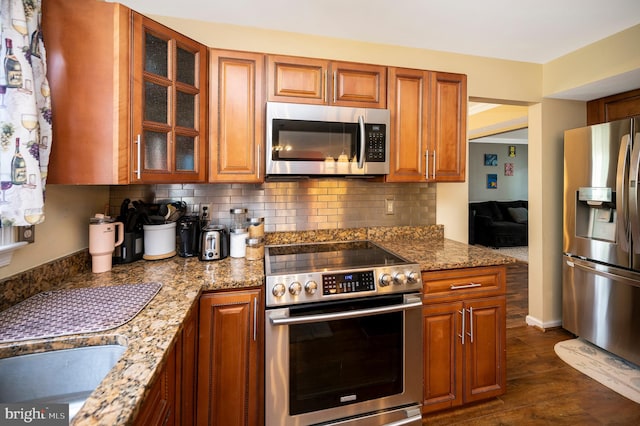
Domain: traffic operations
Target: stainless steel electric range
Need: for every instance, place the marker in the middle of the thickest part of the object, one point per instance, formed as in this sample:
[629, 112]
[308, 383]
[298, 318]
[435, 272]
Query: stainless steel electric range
[343, 338]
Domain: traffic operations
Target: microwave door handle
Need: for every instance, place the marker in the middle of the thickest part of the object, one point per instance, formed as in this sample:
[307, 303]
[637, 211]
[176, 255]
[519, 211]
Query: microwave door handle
[362, 140]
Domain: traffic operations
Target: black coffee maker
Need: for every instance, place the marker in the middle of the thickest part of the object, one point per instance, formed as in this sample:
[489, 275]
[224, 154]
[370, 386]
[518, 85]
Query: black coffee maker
[188, 235]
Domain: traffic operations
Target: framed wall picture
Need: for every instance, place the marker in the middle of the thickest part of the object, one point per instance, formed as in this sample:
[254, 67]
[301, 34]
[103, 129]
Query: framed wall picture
[512, 151]
[508, 169]
[491, 159]
[492, 181]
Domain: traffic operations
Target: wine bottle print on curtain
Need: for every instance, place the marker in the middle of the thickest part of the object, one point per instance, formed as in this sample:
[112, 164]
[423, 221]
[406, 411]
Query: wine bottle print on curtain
[25, 114]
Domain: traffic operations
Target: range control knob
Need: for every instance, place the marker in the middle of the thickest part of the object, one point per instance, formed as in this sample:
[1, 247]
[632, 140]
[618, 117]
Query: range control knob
[385, 280]
[310, 287]
[295, 288]
[278, 290]
[400, 279]
[413, 277]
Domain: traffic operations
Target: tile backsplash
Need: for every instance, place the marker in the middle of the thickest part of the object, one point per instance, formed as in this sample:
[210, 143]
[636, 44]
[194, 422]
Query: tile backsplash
[300, 205]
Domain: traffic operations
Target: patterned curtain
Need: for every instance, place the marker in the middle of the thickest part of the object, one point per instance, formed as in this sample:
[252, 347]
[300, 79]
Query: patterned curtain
[25, 114]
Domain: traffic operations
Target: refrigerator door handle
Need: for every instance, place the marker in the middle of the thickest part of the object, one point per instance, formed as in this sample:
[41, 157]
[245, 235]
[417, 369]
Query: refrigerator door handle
[633, 193]
[624, 194]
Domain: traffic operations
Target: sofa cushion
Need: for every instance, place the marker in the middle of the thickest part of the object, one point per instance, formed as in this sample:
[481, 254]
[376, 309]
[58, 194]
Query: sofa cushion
[503, 206]
[487, 208]
[519, 214]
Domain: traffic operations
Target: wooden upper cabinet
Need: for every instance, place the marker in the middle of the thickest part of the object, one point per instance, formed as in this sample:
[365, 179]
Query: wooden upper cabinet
[615, 107]
[116, 75]
[449, 138]
[322, 82]
[409, 107]
[236, 118]
[358, 85]
[88, 68]
[428, 126]
[169, 105]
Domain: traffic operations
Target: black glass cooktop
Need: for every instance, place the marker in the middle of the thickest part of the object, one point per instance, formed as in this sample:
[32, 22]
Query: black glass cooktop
[334, 256]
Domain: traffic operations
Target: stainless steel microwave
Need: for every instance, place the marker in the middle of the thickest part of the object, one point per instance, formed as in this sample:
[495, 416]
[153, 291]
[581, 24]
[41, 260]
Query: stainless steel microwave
[318, 140]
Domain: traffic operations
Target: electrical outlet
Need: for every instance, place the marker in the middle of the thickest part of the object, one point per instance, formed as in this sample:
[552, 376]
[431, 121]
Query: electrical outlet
[388, 206]
[27, 233]
[205, 211]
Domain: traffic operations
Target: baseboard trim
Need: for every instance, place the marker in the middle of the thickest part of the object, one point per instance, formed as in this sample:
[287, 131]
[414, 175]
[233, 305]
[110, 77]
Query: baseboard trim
[535, 322]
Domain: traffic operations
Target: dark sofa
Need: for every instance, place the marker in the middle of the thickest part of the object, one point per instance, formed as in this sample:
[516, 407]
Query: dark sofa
[499, 223]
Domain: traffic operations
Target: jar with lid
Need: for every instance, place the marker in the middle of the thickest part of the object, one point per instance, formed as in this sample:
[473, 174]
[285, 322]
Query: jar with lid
[256, 227]
[238, 218]
[237, 238]
[255, 248]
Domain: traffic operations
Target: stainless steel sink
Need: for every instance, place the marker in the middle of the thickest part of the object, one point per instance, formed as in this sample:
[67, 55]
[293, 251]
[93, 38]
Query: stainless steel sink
[66, 376]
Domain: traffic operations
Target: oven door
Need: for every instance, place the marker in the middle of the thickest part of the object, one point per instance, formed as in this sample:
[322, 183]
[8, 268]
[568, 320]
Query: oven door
[333, 360]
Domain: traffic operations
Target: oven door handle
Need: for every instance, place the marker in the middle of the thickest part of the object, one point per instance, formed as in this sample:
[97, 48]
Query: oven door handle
[286, 320]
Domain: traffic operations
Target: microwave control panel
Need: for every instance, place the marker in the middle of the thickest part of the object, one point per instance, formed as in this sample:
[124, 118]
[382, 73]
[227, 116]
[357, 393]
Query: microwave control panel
[375, 142]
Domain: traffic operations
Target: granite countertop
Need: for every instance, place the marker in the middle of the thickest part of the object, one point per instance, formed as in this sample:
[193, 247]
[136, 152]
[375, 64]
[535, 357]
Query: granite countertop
[151, 333]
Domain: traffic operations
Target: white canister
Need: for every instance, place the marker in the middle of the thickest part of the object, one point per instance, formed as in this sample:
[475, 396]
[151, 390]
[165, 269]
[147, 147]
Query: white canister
[237, 237]
[159, 241]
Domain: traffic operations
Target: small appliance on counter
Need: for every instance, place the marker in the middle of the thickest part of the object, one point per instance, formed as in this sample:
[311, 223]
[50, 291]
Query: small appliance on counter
[214, 242]
[132, 248]
[188, 236]
[103, 241]
[159, 241]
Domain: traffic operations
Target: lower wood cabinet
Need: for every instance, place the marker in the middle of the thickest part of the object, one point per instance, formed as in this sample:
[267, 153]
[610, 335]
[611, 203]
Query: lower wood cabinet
[464, 336]
[170, 400]
[230, 359]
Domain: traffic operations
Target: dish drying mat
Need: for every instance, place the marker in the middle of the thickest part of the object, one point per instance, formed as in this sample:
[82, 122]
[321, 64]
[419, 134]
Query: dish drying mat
[74, 311]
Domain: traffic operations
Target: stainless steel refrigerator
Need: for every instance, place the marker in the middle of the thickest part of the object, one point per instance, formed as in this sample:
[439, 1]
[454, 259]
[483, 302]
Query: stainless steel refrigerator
[601, 242]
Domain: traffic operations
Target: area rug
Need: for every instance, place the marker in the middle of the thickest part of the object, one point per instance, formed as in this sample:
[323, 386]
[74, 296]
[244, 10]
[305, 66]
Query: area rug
[612, 371]
[521, 252]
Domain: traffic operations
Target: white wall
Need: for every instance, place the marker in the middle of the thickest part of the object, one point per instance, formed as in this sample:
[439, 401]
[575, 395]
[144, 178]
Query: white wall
[509, 187]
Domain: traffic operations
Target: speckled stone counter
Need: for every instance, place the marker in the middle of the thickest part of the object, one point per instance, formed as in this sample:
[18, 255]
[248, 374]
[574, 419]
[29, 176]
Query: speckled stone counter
[152, 332]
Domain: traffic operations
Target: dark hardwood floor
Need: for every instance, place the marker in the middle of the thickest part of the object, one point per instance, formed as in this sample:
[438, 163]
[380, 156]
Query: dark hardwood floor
[541, 388]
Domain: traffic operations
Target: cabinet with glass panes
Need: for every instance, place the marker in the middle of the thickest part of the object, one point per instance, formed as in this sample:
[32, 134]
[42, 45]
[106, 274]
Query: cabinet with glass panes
[129, 96]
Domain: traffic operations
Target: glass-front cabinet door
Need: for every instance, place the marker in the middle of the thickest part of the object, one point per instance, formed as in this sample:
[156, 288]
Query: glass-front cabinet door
[169, 105]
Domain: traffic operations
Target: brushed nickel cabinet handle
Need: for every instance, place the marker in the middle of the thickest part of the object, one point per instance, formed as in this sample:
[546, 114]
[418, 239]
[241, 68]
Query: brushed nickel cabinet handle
[461, 336]
[459, 287]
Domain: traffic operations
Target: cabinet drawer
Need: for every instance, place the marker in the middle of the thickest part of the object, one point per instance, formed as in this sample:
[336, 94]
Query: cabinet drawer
[456, 284]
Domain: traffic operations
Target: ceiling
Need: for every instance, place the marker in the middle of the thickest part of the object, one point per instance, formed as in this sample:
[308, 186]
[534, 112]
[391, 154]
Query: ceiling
[535, 31]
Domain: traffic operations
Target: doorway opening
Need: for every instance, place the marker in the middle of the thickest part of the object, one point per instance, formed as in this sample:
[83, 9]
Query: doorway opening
[498, 177]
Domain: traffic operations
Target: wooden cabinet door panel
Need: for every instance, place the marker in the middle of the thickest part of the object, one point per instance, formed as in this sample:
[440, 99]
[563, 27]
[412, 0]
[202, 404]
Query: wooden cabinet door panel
[442, 356]
[300, 80]
[88, 43]
[169, 115]
[449, 114]
[187, 362]
[359, 85]
[228, 360]
[408, 104]
[615, 107]
[158, 408]
[485, 355]
[236, 117]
